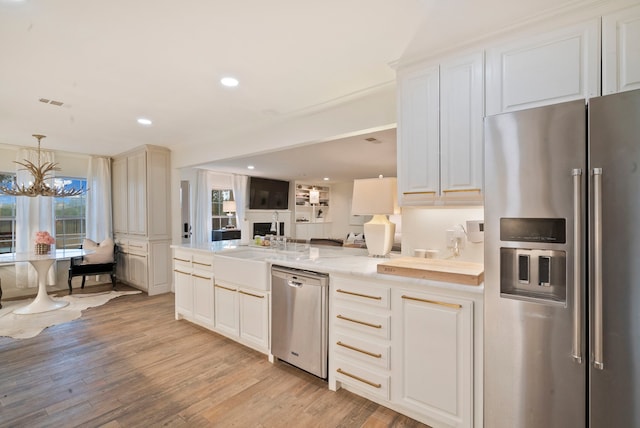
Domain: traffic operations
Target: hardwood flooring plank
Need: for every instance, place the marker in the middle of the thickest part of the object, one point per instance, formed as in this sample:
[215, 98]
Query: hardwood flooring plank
[129, 363]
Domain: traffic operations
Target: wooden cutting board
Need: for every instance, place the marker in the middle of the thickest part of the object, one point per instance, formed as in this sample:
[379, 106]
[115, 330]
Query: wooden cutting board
[466, 273]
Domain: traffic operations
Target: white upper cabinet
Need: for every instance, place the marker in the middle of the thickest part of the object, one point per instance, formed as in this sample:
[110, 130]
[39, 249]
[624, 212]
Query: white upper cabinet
[549, 68]
[621, 51]
[440, 145]
[419, 135]
[461, 126]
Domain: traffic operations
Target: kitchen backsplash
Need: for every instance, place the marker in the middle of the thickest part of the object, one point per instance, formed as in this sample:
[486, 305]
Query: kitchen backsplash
[425, 228]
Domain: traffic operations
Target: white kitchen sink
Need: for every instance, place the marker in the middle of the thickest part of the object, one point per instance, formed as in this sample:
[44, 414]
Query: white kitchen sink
[245, 268]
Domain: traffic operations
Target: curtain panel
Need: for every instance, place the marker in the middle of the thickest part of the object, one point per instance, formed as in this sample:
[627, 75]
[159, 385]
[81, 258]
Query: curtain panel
[33, 214]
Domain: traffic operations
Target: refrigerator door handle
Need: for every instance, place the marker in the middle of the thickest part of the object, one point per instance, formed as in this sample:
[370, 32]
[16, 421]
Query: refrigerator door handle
[597, 269]
[576, 351]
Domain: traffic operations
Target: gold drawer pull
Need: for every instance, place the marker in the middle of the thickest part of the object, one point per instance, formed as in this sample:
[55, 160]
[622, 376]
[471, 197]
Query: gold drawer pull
[434, 302]
[353, 348]
[359, 322]
[359, 295]
[202, 264]
[224, 288]
[375, 385]
[181, 260]
[251, 294]
[201, 277]
[137, 255]
[431, 192]
[137, 246]
[179, 271]
[461, 190]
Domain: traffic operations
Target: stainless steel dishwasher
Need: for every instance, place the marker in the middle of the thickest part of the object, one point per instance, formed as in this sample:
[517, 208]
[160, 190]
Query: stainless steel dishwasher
[299, 318]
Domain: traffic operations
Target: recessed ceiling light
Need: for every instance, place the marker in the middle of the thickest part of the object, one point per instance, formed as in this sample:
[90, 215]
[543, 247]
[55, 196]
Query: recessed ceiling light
[144, 121]
[326, 179]
[251, 167]
[230, 82]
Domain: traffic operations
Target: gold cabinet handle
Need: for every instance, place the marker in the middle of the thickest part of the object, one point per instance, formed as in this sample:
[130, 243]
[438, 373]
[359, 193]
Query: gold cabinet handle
[179, 271]
[461, 190]
[201, 277]
[138, 246]
[434, 302]
[251, 294]
[181, 260]
[359, 295]
[224, 288]
[431, 192]
[342, 317]
[353, 348]
[368, 382]
[137, 255]
[202, 264]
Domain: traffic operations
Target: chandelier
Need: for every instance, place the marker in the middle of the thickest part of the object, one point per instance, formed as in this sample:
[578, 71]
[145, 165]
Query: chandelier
[39, 186]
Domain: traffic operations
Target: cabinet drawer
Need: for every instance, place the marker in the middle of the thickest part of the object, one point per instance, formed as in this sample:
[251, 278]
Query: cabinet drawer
[363, 293]
[365, 380]
[350, 348]
[202, 262]
[137, 247]
[373, 324]
[181, 256]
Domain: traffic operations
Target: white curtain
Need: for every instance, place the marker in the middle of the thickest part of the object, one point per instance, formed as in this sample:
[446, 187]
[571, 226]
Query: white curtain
[33, 214]
[202, 221]
[240, 195]
[98, 214]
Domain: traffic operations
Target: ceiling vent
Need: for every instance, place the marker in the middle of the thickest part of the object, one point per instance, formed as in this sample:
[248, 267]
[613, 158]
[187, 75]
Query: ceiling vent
[52, 102]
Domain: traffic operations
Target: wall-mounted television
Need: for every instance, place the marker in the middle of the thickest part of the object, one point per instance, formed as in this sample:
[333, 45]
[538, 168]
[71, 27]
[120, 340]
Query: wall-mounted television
[268, 194]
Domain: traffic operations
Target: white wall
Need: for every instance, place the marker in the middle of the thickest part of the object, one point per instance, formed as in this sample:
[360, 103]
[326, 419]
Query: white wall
[425, 228]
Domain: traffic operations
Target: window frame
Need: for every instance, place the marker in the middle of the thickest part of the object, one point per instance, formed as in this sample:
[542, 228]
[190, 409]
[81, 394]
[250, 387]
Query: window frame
[219, 219]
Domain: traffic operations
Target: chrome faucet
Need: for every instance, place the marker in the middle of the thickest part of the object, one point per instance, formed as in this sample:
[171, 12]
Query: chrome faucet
[275, 224]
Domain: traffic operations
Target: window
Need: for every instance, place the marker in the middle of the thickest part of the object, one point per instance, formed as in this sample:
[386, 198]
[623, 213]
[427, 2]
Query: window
[219, 218]
[7, 217]
[70, 214]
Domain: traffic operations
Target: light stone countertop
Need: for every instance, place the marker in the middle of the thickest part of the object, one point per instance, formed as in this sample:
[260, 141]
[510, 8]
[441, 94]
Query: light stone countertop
[326, 259]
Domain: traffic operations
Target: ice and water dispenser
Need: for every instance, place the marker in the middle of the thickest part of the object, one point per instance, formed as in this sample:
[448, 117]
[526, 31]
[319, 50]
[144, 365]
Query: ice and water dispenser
[533, 272]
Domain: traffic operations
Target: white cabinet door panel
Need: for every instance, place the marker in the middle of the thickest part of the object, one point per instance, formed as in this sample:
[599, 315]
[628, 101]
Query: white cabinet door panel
[184, 293]
[226, 310]
[552, 67]
[435, 355]
[254, 318]
[461, 123]
[621, 56]
[419, 136]
[203, 298]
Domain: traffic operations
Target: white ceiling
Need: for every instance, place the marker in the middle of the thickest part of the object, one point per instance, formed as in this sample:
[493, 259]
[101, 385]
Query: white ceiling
[112, 61]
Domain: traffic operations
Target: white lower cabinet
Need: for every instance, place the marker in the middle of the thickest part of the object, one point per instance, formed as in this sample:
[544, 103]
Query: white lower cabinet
[433, 356]
[243, 314]
[406, 348]
[359, 337]
[193, 283]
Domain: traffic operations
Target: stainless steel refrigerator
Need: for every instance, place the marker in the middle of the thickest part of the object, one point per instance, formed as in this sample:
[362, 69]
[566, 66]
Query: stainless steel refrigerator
[562, 265]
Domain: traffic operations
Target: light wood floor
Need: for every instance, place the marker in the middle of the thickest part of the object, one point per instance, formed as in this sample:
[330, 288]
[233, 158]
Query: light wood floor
[129, 363]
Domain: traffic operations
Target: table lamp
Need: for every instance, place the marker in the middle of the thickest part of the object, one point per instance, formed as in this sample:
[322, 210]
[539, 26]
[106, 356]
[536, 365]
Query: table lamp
[377, 197]
[230, 208]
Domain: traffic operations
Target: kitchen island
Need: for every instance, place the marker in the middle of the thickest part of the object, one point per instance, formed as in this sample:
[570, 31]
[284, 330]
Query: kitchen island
[411, 344]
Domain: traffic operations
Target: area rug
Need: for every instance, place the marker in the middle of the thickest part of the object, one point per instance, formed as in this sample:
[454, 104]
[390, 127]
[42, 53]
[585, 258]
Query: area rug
[26, 326]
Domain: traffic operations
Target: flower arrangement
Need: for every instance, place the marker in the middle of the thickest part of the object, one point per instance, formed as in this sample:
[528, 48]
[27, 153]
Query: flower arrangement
[43, 242]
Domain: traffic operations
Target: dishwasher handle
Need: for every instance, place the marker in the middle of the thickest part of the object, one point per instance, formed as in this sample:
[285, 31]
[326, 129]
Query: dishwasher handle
[294, 284]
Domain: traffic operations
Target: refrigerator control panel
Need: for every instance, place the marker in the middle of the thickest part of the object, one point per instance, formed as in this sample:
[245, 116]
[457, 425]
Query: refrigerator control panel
[536, 275]
[541, 230]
